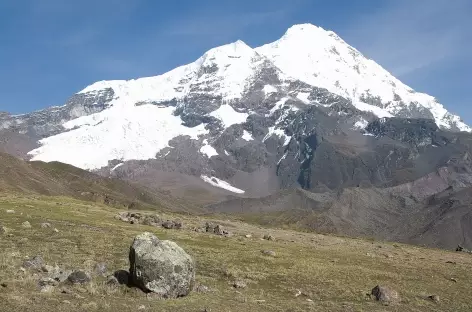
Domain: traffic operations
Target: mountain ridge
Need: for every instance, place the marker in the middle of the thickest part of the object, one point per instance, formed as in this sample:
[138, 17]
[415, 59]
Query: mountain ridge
[237, 112]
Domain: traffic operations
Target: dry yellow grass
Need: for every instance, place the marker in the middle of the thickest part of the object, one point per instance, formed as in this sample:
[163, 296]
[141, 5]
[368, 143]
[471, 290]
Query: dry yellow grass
[332, 273]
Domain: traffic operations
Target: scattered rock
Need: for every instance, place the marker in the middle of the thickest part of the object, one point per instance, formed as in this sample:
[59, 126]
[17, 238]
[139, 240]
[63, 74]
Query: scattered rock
[462, 249]
[268, 237]
[216, 229]
[79, 277]
[239, 284]
[47, 268]
[434, 298]
[56, 230]
[385, 294]
[269, 253]
[202, 289]
[152, 220]
[59, 274]
[161, 267]
[35, 263]
[10, 211]
[453, 279]
[248, 235]
[112, 281]
[101, 268]
[26, 225]
[47, 281]
[3, 230]
[46, 289]
[122, 277]
[45, 225]
[172, 224]
[141, 307]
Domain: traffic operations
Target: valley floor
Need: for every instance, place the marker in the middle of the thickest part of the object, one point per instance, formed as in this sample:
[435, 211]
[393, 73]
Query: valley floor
[328, 273]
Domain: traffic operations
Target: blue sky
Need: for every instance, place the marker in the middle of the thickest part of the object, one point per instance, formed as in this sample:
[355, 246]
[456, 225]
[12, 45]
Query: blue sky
[50, 49]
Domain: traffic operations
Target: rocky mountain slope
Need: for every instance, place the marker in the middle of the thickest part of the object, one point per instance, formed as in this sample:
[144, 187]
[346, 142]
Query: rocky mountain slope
[307, 111]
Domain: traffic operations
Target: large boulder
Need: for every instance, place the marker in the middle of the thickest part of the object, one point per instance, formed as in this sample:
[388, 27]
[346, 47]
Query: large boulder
[161, 267]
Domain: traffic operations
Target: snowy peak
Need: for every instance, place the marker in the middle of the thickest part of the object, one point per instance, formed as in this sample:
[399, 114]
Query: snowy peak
[321, 58]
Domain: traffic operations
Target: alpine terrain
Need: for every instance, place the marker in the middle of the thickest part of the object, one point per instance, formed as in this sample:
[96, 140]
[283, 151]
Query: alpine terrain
[304, 132]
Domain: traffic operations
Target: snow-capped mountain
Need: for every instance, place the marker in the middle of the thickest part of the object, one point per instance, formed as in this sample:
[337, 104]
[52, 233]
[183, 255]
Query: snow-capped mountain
[321, 58]
[253, 117]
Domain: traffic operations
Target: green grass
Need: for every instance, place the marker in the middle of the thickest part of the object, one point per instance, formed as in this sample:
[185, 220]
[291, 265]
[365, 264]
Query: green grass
[334, 273]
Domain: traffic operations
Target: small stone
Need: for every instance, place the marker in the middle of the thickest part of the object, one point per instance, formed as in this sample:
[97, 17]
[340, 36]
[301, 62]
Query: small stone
[26, 225]
[45, 225]
[35, 263]
[269, 253]
[79, 277]
[168, 224]
[3, 230]
[47, 268]
[385, 294]
[239, 284]
[248, 235]
[434, 298]
[47, 289]
[112, 281]
[101, 268]
[47, 281]
[56, 230]
[141, 307]
[453, 279]
[4, 285]
[66, 302]
[10, 211]
[202, 289]
[59, 275]
[268, 237]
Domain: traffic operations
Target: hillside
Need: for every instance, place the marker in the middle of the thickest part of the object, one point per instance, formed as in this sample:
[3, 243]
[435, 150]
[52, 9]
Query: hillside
[293, 272]
[57, 179]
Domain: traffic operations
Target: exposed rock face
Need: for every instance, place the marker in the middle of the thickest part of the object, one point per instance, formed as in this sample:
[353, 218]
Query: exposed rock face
[161, 267]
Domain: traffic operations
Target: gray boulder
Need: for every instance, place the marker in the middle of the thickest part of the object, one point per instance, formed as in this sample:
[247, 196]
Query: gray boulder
[79, 277]
[385, 294]
[101, 268]
[161, 267]
[34, 263]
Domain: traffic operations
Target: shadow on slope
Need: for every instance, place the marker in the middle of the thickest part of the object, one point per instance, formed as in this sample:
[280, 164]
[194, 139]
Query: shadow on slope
[58, 179]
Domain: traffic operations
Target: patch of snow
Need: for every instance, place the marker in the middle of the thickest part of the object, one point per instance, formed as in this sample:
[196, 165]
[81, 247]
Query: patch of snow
[122, 131]
[377, 111]
[229, 116]
[361, 124]
[247, 136]
[117, 166]
[278, 105]
[278, 132]
[221, 184]
[226, 153]
[282, 158]
[268, 89]
[208, 150]
[303, 96]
